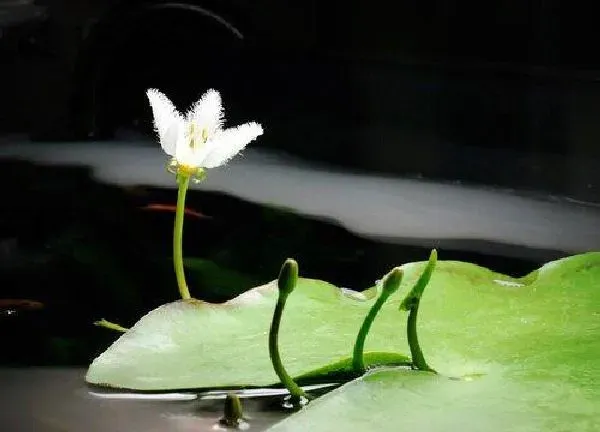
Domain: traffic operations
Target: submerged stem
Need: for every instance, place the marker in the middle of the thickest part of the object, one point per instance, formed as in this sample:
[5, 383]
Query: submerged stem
[411, 304]
[391, 283]
[288, 277]
[183, 181]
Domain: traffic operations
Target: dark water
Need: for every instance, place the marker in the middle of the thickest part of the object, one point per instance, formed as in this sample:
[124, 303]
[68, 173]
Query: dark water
[57, 399]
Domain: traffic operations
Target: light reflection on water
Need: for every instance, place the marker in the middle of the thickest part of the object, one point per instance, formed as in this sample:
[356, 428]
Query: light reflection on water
[395, 210]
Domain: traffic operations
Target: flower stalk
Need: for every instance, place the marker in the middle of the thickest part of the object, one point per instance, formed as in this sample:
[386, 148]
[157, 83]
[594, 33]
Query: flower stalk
[183, 182]
[390, 284]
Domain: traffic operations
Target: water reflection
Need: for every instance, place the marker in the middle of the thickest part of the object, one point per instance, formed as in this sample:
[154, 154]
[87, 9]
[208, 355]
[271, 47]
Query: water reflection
[405, 211]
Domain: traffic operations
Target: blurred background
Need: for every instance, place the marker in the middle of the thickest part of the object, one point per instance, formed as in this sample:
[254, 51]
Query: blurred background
[390, 128]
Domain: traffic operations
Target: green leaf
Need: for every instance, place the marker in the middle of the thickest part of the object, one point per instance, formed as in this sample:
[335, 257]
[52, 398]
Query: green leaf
[518, 358]
[194, 344]
[470, 322]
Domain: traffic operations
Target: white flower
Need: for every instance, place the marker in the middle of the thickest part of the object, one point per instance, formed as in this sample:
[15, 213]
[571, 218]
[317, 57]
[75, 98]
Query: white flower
[197, 139]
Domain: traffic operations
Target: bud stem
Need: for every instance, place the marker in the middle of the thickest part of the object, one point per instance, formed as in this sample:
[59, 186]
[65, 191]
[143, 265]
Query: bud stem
[411, 304]
[287, 281]
[391, 283]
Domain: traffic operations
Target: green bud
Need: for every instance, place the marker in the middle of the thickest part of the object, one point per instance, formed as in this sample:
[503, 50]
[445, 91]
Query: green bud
[233, 414]
[392, 280]
[288, 277]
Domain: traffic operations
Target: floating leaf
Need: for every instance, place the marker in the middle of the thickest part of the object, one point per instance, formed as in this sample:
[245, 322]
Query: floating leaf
[511, 356]
[194, 344]
[472, 320]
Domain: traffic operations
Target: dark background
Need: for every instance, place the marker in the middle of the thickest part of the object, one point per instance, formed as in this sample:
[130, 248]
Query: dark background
[501, 94]
[421, 81]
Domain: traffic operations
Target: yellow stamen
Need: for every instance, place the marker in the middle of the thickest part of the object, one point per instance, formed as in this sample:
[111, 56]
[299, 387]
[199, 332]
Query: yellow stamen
[187, 170]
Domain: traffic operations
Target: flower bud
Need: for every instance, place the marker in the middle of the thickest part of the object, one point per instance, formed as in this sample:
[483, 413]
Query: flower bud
[288, 276]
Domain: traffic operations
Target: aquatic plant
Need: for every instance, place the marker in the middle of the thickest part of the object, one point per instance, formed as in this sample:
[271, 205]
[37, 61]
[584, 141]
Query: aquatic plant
[288, 278]
[195, 142]
[495, 340]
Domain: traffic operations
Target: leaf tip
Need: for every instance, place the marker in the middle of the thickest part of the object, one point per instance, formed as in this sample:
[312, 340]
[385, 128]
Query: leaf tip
[433, 255]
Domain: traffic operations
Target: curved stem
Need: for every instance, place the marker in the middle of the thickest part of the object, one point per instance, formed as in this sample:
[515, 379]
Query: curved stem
[358, 363]
[295, 391]
[390, 284]
[413, 341]
[183, 180]
[411, 304]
